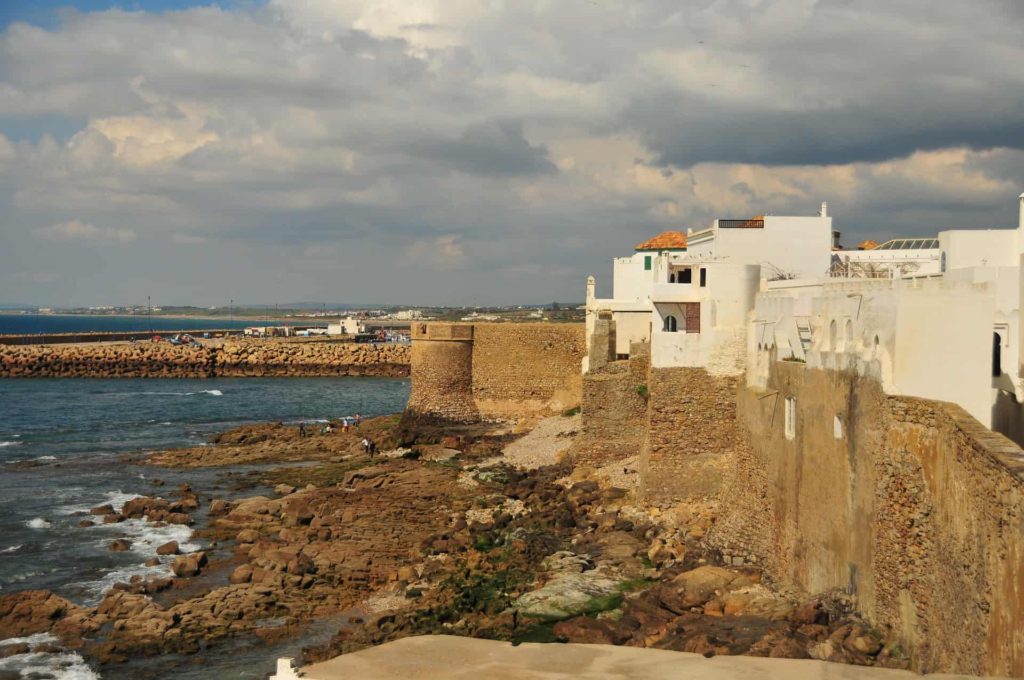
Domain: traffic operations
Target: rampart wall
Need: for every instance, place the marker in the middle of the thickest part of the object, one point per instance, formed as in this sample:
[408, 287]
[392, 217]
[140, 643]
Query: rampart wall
[268, 357]
[614, 410]
[910, 505]
[692, 435]
[509, 370]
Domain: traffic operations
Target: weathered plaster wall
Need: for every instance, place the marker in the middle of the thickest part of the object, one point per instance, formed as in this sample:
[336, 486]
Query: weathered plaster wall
[909, 504]
[464, 372]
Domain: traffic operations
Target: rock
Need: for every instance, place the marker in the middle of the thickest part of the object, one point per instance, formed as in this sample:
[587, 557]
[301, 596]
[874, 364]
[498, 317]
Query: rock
[696, 587]
[756, 600]
[12, 650]
[153, 562]
[585, 630]
[284, 489]
[219, 507]
[169, 548]
[113, 518]
[788, 648]
[32, 611]
[107, 509]
[248, 536]
[85, 523]
[120, 545]
[189, 565]
[570, 594]
[241, 574]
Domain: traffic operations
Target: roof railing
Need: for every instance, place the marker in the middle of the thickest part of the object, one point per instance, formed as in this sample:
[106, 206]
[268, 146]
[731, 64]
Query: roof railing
[741, 224]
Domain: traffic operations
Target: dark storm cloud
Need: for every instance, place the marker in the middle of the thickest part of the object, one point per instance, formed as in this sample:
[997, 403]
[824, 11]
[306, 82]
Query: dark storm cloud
[467, 151]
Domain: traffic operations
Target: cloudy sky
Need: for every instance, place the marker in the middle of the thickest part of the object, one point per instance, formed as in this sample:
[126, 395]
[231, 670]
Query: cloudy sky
[477, 151]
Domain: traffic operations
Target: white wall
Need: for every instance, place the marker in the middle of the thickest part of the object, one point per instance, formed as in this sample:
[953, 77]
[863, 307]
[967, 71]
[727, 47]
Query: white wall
[631, 327]
[979, 248]
[797, 245]
[928, 338]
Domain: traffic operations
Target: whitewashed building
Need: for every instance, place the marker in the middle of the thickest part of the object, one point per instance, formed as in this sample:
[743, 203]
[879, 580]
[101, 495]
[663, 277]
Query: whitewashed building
[936, 317]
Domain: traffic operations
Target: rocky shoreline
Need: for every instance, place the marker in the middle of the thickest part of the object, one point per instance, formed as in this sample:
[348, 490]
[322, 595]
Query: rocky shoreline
[441, 534]
[229, 358]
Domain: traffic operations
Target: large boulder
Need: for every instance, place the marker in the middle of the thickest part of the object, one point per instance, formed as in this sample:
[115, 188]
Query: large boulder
[569, 594]
[189, 565]
[32, 611]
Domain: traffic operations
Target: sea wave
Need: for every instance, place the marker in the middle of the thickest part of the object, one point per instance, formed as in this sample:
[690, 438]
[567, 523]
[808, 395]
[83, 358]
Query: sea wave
[215, 393]
[117, 499]
[45, 458]
[11, 548]
[9, 443]
[64, 664]
[38, 523]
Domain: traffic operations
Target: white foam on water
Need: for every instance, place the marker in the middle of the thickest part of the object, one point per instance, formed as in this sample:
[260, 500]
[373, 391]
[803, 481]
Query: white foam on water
[38, 523]
[64, 665]
[9, 443]
[117, 499]
[216, 393]
[10, 549]
[37, 639]
[46, 458]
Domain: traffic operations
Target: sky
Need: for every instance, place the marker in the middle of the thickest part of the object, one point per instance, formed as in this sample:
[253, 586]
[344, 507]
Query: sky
[477, 152]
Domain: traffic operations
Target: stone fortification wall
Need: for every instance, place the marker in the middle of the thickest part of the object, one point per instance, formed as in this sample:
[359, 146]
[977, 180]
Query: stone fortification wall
[527, 367]
[230, 359]
[692, 435]
[613, 425]
[910, 505]
[442, 374]
[465, 372]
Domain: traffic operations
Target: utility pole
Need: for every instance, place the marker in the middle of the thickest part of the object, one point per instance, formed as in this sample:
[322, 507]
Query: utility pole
[149, 313]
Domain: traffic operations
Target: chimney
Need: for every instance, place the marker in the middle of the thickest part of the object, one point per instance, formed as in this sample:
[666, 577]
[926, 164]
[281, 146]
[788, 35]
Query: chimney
[824, 209]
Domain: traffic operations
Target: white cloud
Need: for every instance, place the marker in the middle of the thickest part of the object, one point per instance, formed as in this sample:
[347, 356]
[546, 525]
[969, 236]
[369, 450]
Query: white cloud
[76, 230]
[461, 138]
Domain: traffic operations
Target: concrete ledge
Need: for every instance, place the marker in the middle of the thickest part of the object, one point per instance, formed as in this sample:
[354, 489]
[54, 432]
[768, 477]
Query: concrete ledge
[444, 657]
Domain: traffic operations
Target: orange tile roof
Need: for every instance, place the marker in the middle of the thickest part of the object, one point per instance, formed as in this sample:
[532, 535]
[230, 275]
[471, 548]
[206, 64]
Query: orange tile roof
[666, 240]
[753, 222]
[867, 245]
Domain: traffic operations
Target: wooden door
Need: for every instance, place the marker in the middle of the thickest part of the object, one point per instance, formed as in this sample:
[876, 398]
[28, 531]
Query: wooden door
[692, 317]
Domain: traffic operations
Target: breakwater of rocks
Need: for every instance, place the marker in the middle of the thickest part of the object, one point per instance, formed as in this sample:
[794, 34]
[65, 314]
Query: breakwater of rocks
[231, 358]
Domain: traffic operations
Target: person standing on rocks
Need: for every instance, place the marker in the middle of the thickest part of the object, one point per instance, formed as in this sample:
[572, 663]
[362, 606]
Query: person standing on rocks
[366, 445]
[302, 430]
[357, 420]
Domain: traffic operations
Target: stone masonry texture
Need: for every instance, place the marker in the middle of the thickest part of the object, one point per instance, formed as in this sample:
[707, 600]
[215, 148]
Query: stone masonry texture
[614, 412]
[910, 505]
[691, 435]
[269, 357]
[465, 372]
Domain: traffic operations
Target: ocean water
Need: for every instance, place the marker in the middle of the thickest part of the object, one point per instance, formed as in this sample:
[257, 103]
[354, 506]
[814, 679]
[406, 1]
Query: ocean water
[61, 446]
[19, 324]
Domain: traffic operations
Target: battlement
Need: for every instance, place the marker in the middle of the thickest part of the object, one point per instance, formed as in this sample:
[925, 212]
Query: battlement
[442, 332]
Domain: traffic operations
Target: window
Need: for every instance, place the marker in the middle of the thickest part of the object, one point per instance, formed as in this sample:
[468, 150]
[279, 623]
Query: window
[790, 417]
[686, 276]
[703, 277]
[671, 278]
[997, 355]
[670, 325]
[647, 263]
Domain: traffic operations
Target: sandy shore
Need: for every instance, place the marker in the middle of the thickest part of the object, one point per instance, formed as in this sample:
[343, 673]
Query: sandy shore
[447, 657]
